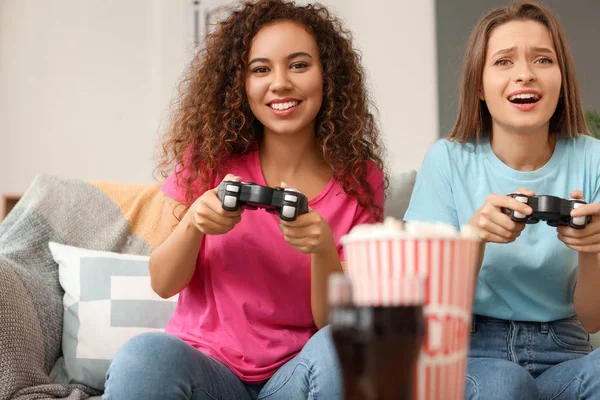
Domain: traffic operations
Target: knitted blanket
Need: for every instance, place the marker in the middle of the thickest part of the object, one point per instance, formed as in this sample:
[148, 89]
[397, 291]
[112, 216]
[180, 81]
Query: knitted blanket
[113, 217]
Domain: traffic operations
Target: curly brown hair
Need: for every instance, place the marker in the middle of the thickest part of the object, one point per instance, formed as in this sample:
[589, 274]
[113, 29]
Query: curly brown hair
[212, 119]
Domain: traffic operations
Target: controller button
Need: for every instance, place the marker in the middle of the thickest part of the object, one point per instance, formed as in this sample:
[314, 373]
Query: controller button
[580, 221]
[289, 197]
[288, 211]
[232, 188]
[230, 201]
[519, 215]
[522, 199]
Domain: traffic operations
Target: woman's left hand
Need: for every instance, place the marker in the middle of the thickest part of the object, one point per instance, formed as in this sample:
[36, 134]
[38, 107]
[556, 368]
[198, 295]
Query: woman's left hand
[585, 240]
[309, 233]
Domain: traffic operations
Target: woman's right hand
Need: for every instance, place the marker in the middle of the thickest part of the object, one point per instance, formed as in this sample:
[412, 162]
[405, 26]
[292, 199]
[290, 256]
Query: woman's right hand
[494, 225]
[207, 213]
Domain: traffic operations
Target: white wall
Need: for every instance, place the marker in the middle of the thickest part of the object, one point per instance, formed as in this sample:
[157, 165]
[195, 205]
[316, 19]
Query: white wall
[85, 83]
[397, 40]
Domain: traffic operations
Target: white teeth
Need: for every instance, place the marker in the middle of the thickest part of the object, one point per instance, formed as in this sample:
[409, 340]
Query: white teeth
[524, 96]
[284, 106]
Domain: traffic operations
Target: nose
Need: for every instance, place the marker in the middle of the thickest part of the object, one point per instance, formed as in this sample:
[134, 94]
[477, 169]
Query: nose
[281, 80]
[524, 73]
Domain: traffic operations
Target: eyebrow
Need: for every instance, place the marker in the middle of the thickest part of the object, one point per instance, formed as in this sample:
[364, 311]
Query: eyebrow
[290, 57]
[536, 49]
[543, 50]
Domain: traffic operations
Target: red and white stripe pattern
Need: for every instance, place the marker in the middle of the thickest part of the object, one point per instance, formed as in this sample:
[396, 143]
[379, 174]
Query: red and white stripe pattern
[383, 272]
[379, 273]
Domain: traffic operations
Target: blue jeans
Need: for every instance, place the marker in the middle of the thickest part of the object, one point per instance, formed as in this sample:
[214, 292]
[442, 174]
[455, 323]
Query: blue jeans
[160, 366]
[526, 360]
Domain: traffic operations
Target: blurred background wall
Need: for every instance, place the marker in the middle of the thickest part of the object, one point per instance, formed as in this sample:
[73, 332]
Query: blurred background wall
[85, 85]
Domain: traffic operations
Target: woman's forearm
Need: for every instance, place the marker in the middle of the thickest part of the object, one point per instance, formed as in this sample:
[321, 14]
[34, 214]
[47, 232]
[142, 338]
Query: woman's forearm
[586, 297]
[173, 263]
[323, 263]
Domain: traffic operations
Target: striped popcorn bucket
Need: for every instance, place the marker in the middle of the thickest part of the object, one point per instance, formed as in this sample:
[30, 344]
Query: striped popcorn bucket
[377, 266]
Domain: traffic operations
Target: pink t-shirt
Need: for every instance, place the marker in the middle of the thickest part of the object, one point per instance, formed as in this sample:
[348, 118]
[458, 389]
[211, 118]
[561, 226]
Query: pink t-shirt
[248, 303]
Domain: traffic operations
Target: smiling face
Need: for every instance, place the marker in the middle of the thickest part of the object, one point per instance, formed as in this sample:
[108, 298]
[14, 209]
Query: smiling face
[284, 78]
[521, 77]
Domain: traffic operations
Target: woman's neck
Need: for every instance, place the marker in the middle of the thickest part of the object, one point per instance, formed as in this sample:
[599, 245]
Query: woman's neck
[525, 152]
[287, 158]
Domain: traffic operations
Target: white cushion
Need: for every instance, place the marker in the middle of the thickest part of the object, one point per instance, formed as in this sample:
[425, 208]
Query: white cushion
[108, 300]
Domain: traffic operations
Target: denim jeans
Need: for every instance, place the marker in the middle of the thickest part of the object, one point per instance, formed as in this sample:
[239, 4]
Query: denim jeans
[160, 366]
[526, 360]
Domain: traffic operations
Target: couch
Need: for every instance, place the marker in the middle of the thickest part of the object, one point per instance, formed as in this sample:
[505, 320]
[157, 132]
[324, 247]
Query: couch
[74, 282]
[34, 352]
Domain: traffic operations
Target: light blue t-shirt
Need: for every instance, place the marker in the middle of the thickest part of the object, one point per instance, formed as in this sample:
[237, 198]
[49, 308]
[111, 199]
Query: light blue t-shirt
[532, 278]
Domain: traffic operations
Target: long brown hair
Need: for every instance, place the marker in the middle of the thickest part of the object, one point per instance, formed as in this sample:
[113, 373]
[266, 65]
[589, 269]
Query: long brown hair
[212, 120]
[474, 120]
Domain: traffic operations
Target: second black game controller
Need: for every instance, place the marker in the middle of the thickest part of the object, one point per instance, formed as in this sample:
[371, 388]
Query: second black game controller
[286, 202]
[554, 210]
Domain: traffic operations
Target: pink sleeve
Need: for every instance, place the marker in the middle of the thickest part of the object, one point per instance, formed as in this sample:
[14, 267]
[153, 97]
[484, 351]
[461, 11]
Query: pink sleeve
[174, 185]
[363, 215]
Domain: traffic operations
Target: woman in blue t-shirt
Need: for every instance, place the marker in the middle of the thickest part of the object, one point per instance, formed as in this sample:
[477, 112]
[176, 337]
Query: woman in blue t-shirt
[521, 128]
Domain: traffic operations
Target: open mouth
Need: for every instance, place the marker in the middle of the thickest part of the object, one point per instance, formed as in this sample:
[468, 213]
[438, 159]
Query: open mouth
[524, 98]
[284, 106]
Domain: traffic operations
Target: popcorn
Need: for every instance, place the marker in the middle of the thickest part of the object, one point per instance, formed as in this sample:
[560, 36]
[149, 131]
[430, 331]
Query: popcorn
[431, 230]
[393, 224]
[470, 232]
[394, 228]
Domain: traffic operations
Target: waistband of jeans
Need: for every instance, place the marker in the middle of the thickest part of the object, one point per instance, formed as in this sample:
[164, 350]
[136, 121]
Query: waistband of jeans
[543, 325]
[492, 319]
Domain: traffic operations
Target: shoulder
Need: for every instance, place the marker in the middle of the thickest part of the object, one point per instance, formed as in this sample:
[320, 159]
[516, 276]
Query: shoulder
[451, 148]
[375, 175]
[358, 202]
[583, 150]
[450, 154]
[444, 152]
[585, 143]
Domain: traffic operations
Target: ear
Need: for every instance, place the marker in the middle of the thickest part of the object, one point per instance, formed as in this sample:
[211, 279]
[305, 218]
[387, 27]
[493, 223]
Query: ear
[480, 94]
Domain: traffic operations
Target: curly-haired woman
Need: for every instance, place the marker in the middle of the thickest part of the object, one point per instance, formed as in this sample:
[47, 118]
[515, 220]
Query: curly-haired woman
[278, 95]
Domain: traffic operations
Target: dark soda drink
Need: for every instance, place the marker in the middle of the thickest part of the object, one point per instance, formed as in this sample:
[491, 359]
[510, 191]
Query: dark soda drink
[392, 350]
[350, 347]
[378, 349]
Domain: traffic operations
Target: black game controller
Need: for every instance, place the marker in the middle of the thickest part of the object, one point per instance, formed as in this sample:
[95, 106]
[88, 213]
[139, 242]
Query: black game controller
[554, 210]
[288, 203]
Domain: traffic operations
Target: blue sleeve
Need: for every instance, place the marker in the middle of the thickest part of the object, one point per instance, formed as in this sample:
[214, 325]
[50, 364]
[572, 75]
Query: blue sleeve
[432, 199]
[593, 169]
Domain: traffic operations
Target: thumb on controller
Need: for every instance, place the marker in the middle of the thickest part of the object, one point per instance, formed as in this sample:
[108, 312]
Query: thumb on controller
[286, 186]
[228, 177]
[232, 177]
[577, 194]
